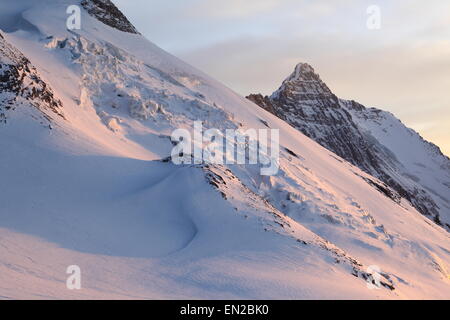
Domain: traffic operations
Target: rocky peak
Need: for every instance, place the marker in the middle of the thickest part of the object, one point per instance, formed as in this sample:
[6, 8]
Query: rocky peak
[106, 12]
[303, 72]
[303, 83]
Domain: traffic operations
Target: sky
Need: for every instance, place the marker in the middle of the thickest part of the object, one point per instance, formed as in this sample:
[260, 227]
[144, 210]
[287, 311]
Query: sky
[253, 45]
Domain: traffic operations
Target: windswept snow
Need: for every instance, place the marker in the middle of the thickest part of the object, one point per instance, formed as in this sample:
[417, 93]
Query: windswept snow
[93, 189]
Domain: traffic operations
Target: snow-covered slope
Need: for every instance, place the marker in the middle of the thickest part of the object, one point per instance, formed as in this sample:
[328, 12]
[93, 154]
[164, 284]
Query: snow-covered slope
[91, 186]
[372, 139]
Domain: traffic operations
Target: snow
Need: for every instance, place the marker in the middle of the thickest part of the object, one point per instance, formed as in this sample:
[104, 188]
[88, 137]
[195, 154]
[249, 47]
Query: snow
[423, 163]
[93, 192]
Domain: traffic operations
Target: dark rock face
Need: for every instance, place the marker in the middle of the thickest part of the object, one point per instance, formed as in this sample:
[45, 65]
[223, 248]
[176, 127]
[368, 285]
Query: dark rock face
[307, 104]
[106, 12]
[19, 79]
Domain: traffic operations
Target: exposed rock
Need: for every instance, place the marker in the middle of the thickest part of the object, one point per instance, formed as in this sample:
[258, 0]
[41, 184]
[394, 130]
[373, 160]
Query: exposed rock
[106, 12]
[306, 103]
[19, 79]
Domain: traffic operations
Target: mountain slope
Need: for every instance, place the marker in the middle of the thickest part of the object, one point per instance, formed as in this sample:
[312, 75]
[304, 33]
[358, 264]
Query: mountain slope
[96, 189]
[20, 82]
[369, 138]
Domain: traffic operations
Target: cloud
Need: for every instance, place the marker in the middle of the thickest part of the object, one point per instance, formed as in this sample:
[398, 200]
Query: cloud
[234, 9]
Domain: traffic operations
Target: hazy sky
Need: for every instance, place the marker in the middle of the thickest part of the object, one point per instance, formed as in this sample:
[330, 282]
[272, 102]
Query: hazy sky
[252, 45]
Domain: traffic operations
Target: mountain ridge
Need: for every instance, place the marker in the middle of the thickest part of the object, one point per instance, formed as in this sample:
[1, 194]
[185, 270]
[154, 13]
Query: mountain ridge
[306, 102]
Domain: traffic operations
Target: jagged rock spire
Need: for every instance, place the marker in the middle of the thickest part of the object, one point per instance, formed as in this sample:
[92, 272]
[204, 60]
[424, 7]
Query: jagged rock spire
[303, 81]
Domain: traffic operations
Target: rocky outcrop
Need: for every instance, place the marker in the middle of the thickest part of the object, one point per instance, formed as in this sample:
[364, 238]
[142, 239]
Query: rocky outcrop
[20, 80]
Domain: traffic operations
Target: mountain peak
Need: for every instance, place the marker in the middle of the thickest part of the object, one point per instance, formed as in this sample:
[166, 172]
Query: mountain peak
[367, 138]
[302, 71]
[303, 80]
